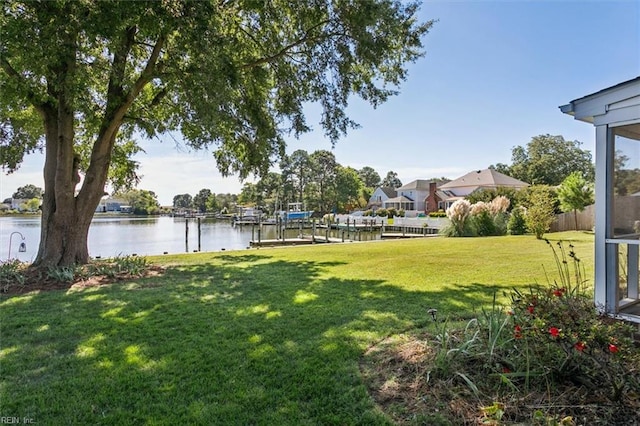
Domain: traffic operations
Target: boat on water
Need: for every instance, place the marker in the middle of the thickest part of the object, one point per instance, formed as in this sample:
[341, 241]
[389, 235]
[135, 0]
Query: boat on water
[295, 212]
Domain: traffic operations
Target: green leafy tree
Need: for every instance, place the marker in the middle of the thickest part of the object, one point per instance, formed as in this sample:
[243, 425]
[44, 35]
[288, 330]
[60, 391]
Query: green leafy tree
[183, 201]
[540, 209]
[31, 205]
[201, 199]
[297, 169]
[370, 178]
[80, 79]
[28, 192]
[392, 180]
[248, 195]
[575, 193]
[271, 191]
[323, 174]
[226, 202]
[548, 160]
[142, 201]
[212, 203]
[348, 186]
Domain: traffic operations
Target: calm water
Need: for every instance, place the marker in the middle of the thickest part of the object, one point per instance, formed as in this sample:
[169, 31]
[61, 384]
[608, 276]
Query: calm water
[112, 236]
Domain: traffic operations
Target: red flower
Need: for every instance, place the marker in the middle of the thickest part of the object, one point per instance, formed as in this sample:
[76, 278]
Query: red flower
[506, 370]
[579, 346]
[517, 332]
[613, 348]
[530, 309]
[554, 331]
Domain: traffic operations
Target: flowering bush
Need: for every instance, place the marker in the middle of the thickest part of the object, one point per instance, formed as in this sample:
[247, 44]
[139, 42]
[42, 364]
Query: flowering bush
[562, 336]
[478, 219]
[550, 340]
[478, 208]
[458, 215]
[500, 204]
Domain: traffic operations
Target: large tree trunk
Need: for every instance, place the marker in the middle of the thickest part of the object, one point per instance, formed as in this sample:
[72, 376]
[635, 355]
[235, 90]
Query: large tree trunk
[66, 216]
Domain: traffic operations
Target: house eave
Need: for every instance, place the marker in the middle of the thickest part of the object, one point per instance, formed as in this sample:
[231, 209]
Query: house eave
[590, 107]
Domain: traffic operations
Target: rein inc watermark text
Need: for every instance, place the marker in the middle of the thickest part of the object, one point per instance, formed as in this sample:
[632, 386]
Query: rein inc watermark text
[5, 420]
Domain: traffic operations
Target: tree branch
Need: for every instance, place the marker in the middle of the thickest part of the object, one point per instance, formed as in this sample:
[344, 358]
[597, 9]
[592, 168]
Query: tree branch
[31, 94]
[118, 111]
[282, 52]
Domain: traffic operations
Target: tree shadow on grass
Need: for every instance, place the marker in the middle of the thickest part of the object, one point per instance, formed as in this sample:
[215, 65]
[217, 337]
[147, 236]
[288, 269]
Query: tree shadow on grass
[239, 340]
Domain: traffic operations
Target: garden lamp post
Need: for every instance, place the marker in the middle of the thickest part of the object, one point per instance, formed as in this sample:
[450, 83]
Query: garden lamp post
[23, 246]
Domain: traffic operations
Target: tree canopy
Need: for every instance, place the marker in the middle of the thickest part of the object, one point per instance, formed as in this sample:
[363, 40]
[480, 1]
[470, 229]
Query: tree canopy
[142, 201]
[575, 194]
[28, 191]
[183, 201]
[82, 80]
[392, 180]
[370, 178]
[548, 160]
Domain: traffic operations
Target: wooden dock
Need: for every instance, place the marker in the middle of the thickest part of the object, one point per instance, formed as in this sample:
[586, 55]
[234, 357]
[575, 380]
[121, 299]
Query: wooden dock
[390, 235]
[280, 243]
[304, 240]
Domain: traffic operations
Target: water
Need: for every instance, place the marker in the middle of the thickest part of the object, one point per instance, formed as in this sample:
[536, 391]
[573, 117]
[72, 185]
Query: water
[113, 236]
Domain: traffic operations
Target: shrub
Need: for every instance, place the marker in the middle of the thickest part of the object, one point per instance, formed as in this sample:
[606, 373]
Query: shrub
[64, 274]
[120, 265]
[564, 337]
[517, 224]
[401, 213]
[392, 212]
[12, 273]
[483, 223]
[439, 213]
[382, 212]
[540, 209]
[550, 337]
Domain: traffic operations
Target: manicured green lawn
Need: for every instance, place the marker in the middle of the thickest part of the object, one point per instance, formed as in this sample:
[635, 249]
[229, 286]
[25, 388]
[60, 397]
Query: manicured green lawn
[270, 336]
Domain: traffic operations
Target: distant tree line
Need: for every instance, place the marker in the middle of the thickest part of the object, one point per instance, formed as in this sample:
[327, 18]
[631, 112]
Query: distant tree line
[317, 180]
[556, 167]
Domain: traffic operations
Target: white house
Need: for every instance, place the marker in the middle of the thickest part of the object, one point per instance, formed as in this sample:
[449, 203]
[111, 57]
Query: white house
[615, 113]
[380, 196]
[18, 203]
[112, 205]
[410, 197]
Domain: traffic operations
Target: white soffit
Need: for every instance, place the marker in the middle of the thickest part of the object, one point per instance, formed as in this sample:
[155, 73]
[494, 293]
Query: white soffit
[617, 104]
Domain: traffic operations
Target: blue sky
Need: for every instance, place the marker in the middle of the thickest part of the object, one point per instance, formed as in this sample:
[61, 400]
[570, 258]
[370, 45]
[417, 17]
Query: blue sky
[493, 77]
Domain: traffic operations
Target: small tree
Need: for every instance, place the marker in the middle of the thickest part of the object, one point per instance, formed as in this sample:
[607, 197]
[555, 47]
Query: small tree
[575, 193]
[540, 210]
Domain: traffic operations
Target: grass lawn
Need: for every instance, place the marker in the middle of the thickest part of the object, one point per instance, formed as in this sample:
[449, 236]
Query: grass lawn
[269, 336]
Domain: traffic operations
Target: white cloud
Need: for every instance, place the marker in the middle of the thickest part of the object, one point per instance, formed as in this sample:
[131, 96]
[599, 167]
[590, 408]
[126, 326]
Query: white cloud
[183, 173]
